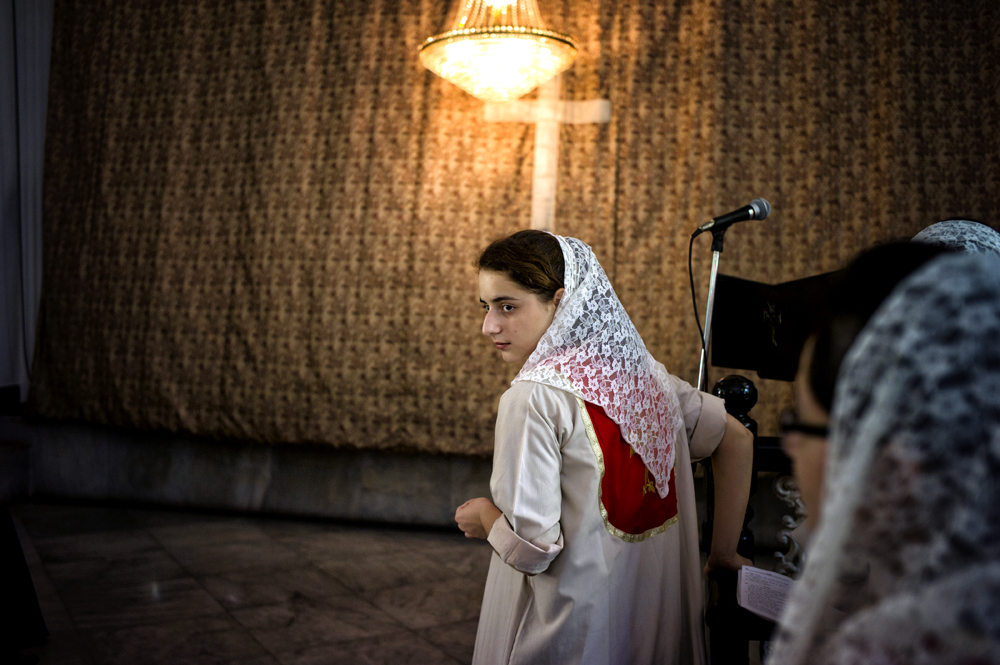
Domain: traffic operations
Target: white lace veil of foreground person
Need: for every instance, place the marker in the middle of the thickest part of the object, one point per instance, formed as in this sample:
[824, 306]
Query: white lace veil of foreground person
[963, 235]
[593, 350]
[905, 565]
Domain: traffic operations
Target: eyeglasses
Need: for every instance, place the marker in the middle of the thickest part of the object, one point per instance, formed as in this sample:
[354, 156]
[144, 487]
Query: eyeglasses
[789, 423]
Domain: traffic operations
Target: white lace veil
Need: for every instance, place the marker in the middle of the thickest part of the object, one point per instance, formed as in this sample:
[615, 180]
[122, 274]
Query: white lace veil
[963, 235]
[592, 350]
[905, 565]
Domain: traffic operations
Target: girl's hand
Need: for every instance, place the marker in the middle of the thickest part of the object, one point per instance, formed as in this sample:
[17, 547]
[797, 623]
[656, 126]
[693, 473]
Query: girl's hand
[475, 517]
[719, 562]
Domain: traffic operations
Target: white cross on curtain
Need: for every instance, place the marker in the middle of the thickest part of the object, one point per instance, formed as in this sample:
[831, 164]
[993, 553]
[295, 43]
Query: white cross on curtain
[548, 112]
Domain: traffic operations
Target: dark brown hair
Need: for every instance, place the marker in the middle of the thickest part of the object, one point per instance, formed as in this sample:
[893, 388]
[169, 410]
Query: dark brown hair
[531, 259]
[863, 287]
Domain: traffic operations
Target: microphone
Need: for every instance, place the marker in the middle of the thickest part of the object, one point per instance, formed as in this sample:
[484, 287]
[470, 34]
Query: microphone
[758, 209]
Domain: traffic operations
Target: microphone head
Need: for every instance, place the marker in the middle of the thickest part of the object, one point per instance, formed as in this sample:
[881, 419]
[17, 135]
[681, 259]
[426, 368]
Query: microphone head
[761, 208]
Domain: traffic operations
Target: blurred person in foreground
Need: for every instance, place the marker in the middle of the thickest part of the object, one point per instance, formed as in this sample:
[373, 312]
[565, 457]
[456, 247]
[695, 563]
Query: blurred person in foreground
[904, 564]
[863, 286]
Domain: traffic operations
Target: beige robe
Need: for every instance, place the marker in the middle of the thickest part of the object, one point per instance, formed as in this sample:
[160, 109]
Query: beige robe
[562, 588]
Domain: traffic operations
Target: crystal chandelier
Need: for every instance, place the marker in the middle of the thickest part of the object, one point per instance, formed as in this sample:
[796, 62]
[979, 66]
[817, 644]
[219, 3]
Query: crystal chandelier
[498, 50]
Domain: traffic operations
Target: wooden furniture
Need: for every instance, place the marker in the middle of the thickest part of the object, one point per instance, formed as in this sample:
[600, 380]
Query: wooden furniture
[758, 327]
[731, 628]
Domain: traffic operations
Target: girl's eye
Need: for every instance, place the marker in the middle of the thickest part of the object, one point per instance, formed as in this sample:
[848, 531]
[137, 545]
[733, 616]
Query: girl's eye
[508, 308]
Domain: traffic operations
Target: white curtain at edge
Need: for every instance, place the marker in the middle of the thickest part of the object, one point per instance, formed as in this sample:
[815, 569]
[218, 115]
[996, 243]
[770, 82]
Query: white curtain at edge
[25, 41]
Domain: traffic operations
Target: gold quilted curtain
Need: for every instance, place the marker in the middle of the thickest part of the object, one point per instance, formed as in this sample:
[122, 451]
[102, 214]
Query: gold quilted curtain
[261, 216]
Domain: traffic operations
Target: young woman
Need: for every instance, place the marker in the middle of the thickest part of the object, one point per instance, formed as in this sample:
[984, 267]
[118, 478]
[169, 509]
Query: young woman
[593, 521]
[864, 285]
[911, 499]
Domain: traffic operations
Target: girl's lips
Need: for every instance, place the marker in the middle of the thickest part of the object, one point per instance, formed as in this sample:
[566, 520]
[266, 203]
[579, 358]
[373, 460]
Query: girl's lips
[501, 345]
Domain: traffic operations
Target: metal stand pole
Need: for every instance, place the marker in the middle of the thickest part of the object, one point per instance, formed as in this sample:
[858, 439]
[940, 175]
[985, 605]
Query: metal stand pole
[703, 363]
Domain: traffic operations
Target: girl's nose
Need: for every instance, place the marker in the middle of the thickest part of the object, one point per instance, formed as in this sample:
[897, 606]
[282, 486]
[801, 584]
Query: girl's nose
[490, 326]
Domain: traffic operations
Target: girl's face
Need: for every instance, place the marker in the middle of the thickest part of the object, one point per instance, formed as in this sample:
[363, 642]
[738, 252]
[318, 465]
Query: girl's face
[515, 317]
[804, 440]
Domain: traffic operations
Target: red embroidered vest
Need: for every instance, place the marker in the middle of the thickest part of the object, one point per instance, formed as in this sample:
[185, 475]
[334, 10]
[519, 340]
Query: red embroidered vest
[629, 501]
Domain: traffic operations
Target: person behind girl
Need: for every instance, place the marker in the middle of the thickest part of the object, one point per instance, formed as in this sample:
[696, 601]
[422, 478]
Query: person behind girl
[593, 521]
[911, 486]
[863, 286]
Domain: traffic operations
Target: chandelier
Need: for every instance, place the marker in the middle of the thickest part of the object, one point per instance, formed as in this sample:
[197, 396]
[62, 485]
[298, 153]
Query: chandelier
[498, 50]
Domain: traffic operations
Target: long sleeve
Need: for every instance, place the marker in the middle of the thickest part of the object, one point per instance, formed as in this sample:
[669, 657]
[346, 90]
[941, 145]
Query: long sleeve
[532, 425]
[704, 418]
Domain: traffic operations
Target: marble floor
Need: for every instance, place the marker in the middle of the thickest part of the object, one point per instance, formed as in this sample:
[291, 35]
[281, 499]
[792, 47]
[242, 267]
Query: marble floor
[145, 586]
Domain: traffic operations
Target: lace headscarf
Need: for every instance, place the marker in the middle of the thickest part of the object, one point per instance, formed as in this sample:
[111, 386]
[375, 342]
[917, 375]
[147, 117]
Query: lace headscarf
[905, 565]
[963, 235]
[592, 350]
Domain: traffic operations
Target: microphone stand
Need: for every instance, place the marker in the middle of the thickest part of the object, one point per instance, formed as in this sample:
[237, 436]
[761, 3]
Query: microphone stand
[717, 236]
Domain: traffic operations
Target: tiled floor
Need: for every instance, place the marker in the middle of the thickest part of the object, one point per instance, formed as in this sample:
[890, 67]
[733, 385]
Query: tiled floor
[128, 586]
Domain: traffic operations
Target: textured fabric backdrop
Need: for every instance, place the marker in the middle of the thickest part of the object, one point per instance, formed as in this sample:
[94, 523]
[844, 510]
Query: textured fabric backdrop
[261, 217]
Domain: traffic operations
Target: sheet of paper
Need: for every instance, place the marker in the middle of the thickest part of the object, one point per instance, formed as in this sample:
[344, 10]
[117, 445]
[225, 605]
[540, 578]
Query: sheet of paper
[763, 592]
